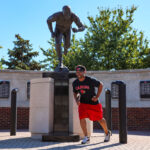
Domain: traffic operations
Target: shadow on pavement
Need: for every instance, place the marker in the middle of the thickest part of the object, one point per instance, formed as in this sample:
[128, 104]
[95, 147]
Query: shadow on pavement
[24, 143]
[140, 133]
[79, 146]
[107, 146]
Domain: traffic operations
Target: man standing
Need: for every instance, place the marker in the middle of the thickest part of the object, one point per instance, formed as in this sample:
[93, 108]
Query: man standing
[64, 20]
[87, 101]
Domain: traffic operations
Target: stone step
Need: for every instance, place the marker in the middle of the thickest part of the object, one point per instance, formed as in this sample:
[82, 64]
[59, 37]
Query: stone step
[61, 137]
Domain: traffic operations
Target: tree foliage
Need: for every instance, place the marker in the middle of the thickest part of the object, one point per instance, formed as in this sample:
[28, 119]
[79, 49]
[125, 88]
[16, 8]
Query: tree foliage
[51, 60]
[113, 42]
[110, 42]
[21, 56]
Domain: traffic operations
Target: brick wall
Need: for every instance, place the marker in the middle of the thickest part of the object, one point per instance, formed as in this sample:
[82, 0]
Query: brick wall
[137, 118]
[22, 118]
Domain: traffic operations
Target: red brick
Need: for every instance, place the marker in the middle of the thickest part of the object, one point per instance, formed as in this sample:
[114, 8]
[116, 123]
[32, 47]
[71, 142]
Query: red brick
[137, 118]
[22, 118]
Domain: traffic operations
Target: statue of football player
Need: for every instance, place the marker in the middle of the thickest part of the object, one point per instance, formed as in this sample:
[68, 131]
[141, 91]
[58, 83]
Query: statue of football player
[64, 20]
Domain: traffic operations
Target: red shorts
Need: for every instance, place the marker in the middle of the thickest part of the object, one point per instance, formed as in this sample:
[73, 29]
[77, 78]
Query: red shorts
[93, 112]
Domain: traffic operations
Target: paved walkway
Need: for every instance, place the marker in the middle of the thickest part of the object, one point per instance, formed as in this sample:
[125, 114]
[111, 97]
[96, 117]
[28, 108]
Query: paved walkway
[136, 141]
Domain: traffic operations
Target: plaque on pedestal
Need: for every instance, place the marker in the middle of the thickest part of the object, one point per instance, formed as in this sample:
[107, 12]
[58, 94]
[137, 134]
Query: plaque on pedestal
[4, 89]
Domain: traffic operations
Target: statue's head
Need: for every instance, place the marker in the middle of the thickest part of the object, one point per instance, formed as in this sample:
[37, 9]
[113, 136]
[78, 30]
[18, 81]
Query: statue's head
[66, 12]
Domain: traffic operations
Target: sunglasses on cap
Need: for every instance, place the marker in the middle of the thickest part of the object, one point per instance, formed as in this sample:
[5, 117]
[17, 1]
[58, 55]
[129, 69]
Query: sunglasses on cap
[81, 69]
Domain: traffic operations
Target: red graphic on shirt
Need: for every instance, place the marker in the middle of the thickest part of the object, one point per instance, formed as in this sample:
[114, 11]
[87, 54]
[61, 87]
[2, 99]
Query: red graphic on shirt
[82, 91]
[82, 87]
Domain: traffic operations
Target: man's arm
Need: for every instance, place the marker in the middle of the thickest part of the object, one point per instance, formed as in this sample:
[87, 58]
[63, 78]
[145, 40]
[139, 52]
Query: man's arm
[51, 19]
[95, 98]
[77, 98]
[77, 21]
[49, 22]
[76, 94]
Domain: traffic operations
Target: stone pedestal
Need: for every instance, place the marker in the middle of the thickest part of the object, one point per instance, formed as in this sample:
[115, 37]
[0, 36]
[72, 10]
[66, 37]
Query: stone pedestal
[61, 104]
[41, 107]
[46, 125]
[61, 110]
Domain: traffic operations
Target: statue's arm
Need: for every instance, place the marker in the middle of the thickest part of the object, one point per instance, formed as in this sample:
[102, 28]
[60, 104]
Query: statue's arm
[77, 21]
[51, 19]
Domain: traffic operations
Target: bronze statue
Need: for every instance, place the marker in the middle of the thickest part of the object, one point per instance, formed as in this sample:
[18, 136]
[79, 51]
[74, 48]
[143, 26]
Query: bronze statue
[64, 20]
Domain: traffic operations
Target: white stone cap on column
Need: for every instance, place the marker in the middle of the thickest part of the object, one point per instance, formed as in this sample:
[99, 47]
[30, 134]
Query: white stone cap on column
[42, 80]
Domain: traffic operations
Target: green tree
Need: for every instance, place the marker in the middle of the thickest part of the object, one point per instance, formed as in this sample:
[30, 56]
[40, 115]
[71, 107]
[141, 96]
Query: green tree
[113, 42]
[21, 56]
[50, 61]
[110, 42]
[1, 67]
[77, 54]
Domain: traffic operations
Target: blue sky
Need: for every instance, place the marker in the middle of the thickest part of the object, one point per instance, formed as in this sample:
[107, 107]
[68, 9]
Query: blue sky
[28, 18]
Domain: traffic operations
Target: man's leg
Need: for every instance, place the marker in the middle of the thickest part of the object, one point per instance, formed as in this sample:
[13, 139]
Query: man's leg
[58, 41]
[104, 126]
[86, 139]
[83, 126]
[66, 41]
[103, 123]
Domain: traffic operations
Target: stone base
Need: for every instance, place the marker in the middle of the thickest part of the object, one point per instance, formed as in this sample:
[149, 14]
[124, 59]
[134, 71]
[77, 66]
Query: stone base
[62, 69]
[57, 74]
[61, 138]
[36, 136]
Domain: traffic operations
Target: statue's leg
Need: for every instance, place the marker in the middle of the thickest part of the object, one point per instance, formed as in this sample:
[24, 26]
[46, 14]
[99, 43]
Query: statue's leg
[67, 41]
[58, 41]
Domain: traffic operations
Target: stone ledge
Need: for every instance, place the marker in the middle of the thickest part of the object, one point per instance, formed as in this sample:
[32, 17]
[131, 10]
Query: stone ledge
[61, 138]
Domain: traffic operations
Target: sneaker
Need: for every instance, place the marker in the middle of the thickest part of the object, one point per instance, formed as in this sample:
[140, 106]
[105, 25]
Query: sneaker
[107, 137]
[85, 140]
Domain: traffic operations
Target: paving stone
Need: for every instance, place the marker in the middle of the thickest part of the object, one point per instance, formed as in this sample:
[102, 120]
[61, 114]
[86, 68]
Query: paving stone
[138, 140]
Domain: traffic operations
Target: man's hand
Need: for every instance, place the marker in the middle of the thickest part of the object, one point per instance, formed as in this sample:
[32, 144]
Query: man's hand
[78, 96]
[53, 35]
[74, 30]
[78, 102]
[94, 98]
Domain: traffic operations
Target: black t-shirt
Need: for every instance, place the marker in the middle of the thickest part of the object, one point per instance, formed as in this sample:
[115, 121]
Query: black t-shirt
[86, 89]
